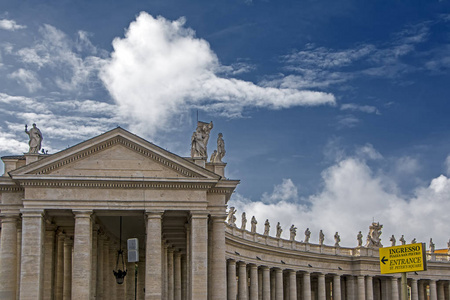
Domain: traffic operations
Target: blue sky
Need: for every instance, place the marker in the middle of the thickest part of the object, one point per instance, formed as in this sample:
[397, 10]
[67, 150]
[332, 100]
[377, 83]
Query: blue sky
[334, 113]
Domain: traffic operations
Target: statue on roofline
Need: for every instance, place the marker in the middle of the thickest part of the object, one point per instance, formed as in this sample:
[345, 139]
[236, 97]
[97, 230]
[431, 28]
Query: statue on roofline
[199, 140]
[254, 222]
[35, 138]
[293, 232]
[307, 235]
[373, 238]
[266, 227]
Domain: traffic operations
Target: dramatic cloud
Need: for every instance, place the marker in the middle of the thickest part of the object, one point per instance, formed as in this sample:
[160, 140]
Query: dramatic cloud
[27, 78]
[352, 196]
[10, 25]
[160, 69]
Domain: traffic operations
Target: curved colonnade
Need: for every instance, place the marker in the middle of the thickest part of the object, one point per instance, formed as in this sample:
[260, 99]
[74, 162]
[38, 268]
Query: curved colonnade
[260, 267]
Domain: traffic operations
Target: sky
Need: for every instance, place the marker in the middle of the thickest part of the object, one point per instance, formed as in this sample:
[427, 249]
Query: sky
[335, 114]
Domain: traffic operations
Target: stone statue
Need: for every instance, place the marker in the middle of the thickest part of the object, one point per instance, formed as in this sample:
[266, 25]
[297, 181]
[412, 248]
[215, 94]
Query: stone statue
[231, 217]
[220, 148]
[432, 246]
[293, 232]
[213, 156]
[393, 240]
[373, 238]
[448, 244]
[413, 241]
[402, 240]
[359, 239]
[321, 237]
[266, 227]
[254, 224]
[244, 221]
[35, 138]
[279, 230]
[337, 239]
[199, 140]
[307, 235]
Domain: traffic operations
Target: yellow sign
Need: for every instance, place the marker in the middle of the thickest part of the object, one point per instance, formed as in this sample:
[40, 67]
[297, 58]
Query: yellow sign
[404, 258]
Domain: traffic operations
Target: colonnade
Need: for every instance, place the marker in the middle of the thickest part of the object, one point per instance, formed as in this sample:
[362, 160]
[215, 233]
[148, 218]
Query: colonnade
[249, 281]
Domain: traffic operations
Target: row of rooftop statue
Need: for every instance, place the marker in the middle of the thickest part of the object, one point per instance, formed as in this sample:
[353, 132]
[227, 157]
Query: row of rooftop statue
[199, 142]
[373, 238]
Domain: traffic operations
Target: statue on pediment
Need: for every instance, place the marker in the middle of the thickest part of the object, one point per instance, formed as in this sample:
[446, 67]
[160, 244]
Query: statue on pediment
[402, 240]
[359, 239]
[413, 241]
[432, 246]
[307, 235]
[373, 238]
[337, 239]
[393, 240]
[244, 221]
[293, 232]
[199, 140]
[35, 138]
[231, 217]
[279, 230]
[266, 227]
[321, 237]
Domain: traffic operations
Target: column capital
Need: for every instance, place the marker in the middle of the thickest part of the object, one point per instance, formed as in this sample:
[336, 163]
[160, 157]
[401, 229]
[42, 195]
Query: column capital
[199, 214]
[154, 214]
[9, 217]
[82, 213]
[32, 213]
[219, 218]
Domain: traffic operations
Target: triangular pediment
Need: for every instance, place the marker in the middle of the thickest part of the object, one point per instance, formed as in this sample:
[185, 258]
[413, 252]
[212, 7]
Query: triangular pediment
[117, 153]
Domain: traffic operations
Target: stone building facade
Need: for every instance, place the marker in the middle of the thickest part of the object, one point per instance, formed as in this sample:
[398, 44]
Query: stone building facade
[60, 234]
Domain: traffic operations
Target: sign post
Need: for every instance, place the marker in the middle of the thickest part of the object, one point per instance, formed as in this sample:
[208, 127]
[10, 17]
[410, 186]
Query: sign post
[403, 259]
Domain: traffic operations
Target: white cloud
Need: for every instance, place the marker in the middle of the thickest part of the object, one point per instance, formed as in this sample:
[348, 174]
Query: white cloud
[160, 69]
[10, 25]
[363, 108]
[283, 192]
[27, 78]
[353, 196]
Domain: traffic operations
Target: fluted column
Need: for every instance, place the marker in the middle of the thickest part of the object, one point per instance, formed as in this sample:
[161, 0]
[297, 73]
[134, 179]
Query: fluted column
[242, 283]
[394, 289]
[336, 287]
[59, 277]
[266, 283]
[82, 255]
[199, 256]
[8, 256]
[231, 281]
[321, 287]
[170, 274]
[253, 282]
[49, 262]
[218, 261]
[177, 276]
[361, 288]
[153, 252]
[369, 288]
[32, 260]
[293, 285]
[433, 290]
[414, 290]
[278, 284]
[306, 286]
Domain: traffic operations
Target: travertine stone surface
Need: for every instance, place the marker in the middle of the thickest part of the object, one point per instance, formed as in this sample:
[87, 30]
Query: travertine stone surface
[49, 262]
[32, 267]
[218, 261]
[232, 284]
[67, 285]
[242, 281]
[59, 276]
[321, 287]
[199, 257]
[253, 282]
[8, 256]
[82, 256]
[153, 269]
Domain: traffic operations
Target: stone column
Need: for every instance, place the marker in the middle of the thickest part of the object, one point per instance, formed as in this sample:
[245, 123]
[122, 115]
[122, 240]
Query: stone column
[199, 256]
[82, 256]
[293, 285]
[177, 276]
[260, 284]
[106, 270]
[8, 256]
[265, 283]
[32, 261]
[141, 279]
[369, 288]
[350, 288]
[414, 290]
[130, 281]
[59, 276]
[361, 288]
[242, 283]
[394, 288]
[100, 267]
[183, 277]
[336, 287]
[278, 284]
[321, 287]
[170, 274]
[440, 290]
[94, 257]
[306, 286]
[253, 282]
[67, 286]
[421, 288]
[49, 262]
[153, 254]
[218, 261]
[433, 290]
[231, 280]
